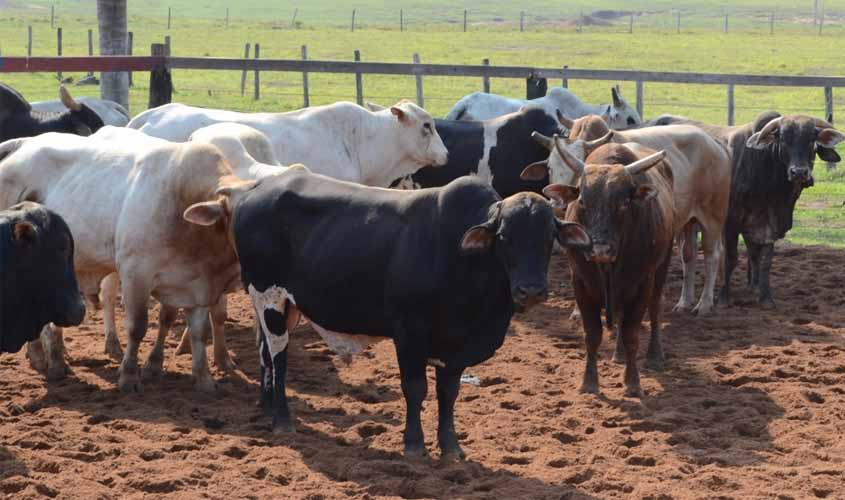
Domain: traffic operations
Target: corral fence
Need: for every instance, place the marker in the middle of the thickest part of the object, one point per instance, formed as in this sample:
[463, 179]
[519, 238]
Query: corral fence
[161, 63]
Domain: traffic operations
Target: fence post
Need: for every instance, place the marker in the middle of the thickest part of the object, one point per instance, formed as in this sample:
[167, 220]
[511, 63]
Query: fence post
[59, 47]
[168, 18]
[420, 97]
[522, 21]
[90, 47]
[352, 27]
[167, 44]
[731, 106]
[535, 87]
[359, 81]
[678, 26]
[306, 101]
[130, 40]
[631, 24]
[828, 104]
[640, 100]
[293, 19]
[52, 16]
[243, 75]
[29, 41]
[401, 20]
[565, 82]
[465, 20]
[161, 83]
[485, 80]
[257, 93]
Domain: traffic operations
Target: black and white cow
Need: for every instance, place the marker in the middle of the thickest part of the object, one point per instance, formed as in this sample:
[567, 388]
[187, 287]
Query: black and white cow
[18, 119]
[495, 150]
[440, 271]
[37, 280]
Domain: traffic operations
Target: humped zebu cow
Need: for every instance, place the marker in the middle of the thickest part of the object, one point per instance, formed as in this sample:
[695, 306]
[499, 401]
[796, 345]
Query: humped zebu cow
[341, 140]
[623, 198]
[123, 195]
[36, 248]
[18, 119]
[110, 112]
[772, 163]
[480, 106]
[440, 271]
[702, 177]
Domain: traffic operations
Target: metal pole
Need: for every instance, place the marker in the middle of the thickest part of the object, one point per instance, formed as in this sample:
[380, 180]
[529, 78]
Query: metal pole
[640, 100]
[130, 40]
[90, 47]
[359, 82]
[420, 97]
[306, 101]
[29, 41]
[352, 27]
[465, 20]
[243, 75]
[485, 80]
[731, 105]
[168, 18]
[59, 47]
[257, 93]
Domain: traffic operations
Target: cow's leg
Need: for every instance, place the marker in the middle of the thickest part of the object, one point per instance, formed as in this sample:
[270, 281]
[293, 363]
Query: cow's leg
[35, 354]
[448, 385]
[631, 325]
[282, 421]
[654, 356]
[199, 325]
[687, 241]
[155, 361]
[109, 288]
[753, 272]
[52, 338]
[593, 331]
[767, 252]
[218, 332]
[619, 352]
[184, 346]
[265, 400]
[412, 365]
[731, 243]
[711, 240]
[136, 299]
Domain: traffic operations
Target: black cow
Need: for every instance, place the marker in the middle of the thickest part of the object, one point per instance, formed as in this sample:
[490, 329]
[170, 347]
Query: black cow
[37, 280]
[772, 162]
[496, 150]
[440, 271]
[17, 119]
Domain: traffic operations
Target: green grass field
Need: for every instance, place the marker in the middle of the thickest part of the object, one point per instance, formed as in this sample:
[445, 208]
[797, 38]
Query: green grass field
[433, 31]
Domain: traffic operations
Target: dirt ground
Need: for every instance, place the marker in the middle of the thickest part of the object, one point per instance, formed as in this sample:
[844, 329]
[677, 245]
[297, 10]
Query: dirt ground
[751, 405]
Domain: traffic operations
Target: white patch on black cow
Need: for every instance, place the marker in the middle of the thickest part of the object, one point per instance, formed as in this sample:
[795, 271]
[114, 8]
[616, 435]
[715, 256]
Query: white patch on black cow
[345, 345]
[491, 134]
[274, 298]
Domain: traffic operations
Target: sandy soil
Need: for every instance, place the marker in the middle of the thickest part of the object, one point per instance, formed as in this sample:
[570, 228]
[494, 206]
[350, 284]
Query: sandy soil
[752, 405]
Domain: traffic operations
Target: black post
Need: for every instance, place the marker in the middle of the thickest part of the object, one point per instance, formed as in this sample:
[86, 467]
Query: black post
[161, 83]
[535, 87]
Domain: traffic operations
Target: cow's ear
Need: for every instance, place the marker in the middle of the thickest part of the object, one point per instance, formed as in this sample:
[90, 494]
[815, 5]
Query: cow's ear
[477, 239]
[573, 235]
[399, 114]
[759, 141]
[536, 171]
[829, 155]
[24, 233]
[562, 193]
[375, 108]
[643, 193]
[829, 138]
[205, 214]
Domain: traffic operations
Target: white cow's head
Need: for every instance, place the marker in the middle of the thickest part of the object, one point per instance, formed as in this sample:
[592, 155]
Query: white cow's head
[555, 167]
[418, 138]
[620, 115]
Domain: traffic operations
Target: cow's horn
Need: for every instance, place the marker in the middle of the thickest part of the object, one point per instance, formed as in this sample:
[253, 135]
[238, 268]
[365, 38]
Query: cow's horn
[564, 120]
[646, 163]
[591, 146]
[771, 126]
[576, 165]
[67, 100]
[542, 140]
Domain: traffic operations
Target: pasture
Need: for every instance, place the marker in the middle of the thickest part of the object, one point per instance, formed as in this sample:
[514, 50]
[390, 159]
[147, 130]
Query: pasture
[752, 401]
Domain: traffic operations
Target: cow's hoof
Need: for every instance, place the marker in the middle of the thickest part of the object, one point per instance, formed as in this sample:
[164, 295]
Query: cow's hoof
[589, 388]
[619, 357]
[682, 306]
[703, 309]
[152, 371]
[576, 315]
[113, 349]
[655, 364]
[205, 385]
[634, 391]
[36, 356]
[266, 405]
[452, 453]
[57, 370]
[283, 426]
[767, 304]
[129, 383]
[224, 363]
[415, 451]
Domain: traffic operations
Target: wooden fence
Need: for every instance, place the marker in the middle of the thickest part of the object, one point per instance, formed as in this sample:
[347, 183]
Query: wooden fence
[161, 64]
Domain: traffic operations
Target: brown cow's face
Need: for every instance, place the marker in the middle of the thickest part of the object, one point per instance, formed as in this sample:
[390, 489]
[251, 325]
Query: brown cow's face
[605, 203]
[796, 140]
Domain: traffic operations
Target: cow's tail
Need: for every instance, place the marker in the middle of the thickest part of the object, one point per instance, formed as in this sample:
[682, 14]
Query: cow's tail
[10, 146]
[458, 111]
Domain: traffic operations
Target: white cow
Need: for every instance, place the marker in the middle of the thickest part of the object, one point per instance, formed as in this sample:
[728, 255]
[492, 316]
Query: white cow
[125, 197]
[480, 106]
[110, 112]
[341, 140]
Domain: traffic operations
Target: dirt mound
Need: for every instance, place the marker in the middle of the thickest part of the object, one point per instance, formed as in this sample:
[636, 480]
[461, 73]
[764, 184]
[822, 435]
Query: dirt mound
[751, 405]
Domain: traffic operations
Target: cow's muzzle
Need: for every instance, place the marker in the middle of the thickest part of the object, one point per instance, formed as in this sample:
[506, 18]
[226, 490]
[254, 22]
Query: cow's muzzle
[527, 296]
[603, 254]
[800, 175]
[72, 314]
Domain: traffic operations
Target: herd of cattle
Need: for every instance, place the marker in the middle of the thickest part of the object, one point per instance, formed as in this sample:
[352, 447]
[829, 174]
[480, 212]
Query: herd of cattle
[187, 205]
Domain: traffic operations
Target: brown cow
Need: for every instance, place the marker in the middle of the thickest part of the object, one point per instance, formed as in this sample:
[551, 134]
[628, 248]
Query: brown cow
[627, 211]
[702, 172]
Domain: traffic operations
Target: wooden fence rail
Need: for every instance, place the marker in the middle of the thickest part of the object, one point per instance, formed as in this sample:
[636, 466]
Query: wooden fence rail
[535, 77]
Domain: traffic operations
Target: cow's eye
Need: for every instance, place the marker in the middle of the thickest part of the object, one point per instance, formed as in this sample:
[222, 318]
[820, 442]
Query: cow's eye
[427, 127]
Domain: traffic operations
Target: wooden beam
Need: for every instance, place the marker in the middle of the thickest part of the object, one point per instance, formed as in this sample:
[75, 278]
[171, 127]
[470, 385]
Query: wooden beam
[161, 82]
